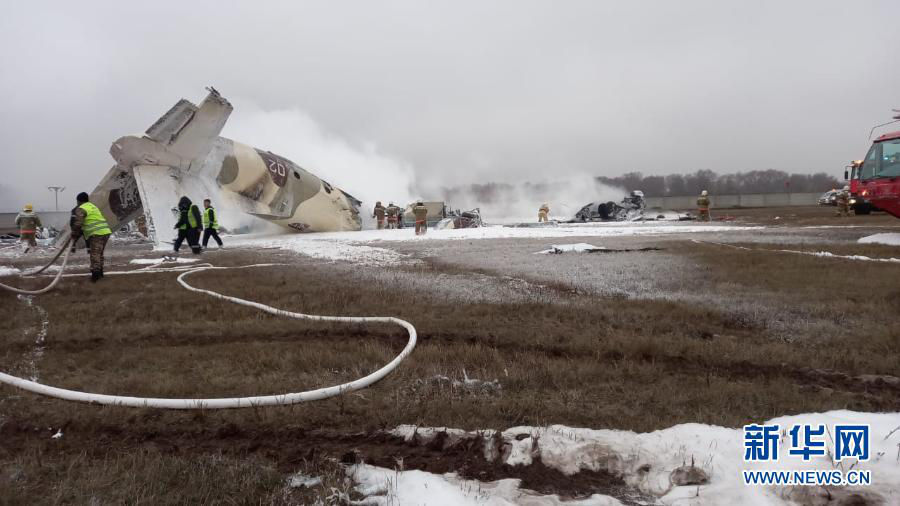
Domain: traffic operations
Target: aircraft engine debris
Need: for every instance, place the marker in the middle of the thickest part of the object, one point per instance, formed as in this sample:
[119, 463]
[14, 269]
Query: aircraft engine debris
[441, 216]
[633, 207]
[182, 154]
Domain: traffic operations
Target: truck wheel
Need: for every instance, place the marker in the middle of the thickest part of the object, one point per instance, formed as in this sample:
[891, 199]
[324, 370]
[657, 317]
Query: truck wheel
[863, 209]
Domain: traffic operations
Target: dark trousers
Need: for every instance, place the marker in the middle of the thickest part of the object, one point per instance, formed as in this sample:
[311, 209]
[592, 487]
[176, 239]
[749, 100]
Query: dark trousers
[193, 238]
[96, 245]
[211, 232]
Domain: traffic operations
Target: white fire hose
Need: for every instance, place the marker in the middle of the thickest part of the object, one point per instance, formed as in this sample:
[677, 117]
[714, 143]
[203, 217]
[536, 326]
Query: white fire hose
[221, 403]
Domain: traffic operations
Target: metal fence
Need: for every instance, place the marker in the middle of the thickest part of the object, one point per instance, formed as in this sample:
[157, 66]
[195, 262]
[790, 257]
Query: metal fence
[745, 200]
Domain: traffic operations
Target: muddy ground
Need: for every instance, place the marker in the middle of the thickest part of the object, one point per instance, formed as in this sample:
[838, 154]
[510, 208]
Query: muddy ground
[688, 332]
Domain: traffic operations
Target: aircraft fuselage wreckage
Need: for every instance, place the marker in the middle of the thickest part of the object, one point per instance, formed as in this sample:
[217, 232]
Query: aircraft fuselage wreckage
[183, 155]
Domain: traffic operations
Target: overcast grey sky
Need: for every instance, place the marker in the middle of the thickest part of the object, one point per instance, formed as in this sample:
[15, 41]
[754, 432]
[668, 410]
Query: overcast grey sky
[456, 91]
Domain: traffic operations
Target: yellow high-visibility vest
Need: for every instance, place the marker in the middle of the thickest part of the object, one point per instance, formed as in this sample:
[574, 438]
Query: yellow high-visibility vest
[192, 220]
[94, 222]
[210, 223]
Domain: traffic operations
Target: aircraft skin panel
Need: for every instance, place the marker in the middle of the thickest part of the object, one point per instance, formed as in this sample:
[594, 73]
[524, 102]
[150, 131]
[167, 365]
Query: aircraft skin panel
[161, 190]
[324, 212]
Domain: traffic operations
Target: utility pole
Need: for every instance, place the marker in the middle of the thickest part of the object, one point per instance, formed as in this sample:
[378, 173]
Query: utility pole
[56, 190]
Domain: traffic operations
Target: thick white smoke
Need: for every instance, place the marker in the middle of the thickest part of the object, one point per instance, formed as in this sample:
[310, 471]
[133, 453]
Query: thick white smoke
[519, 202]
[357, 168]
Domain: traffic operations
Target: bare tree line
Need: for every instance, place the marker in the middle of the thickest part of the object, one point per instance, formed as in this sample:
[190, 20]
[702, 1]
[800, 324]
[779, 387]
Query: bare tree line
[754, 181]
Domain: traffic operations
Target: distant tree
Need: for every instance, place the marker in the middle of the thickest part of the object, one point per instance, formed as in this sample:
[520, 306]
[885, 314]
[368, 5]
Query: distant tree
[753, 181]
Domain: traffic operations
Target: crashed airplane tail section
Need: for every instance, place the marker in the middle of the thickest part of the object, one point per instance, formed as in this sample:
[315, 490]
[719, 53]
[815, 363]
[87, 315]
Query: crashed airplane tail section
[182, 155]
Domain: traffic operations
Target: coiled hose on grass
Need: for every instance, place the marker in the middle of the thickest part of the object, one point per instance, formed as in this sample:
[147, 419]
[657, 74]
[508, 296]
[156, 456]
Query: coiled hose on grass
[219, 403]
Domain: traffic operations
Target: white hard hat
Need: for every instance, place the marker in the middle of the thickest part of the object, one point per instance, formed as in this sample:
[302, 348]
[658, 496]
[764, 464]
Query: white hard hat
[704, 192]
[846, 188]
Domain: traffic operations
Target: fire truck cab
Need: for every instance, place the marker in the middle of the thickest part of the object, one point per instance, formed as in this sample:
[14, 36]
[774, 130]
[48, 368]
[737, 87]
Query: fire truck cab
[877, 179]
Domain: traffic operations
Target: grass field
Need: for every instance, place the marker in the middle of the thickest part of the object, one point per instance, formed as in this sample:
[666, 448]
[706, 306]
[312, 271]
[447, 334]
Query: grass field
[690, 333]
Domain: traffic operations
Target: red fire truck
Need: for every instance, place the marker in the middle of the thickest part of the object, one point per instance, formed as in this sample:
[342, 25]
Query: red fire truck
[875, 180]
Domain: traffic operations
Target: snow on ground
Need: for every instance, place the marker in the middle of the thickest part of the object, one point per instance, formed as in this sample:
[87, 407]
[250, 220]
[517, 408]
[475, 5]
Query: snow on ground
[382, 486]
[891, 239]
[8, 271]
[646, 463]
[845, 257]
[357, 246]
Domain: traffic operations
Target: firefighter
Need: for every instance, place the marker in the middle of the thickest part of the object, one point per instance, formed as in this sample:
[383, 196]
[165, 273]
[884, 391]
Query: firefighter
[28, 223]
[89, 222]
[378, 214]
[189, 225]
[703, 205]
[543, 212]
[210, 224]
[421, 214]
[843, 202]
[393, 214]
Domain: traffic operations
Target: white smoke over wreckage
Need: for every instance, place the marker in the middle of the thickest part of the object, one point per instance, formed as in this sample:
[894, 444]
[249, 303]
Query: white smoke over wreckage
[519, 202]
[359, 168]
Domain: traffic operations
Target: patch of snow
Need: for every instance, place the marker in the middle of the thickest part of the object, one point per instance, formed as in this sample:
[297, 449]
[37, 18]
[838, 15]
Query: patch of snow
[580, 247]
[891, 239]
[358, 247]
[330, 246]
[168, 260]
[382, 486]
[646, 461]
[8, 271]
[845, 257]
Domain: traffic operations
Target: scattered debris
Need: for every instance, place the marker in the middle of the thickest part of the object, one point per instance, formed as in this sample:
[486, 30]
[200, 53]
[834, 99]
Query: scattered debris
[469, 385]
[580, 247]
[441, 216]
[633, 207]
[688, 475]
[154, 261]
[558, 249]
[58, 435]
[301, 480]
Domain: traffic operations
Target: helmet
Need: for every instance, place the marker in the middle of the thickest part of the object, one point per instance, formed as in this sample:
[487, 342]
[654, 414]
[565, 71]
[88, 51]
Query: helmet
[846, 188]
[704, 193]
[378, 203]
[28, 207]
[637, 193]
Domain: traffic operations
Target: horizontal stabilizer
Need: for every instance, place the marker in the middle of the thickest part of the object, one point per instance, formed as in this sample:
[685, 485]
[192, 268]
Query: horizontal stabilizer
[188, 130]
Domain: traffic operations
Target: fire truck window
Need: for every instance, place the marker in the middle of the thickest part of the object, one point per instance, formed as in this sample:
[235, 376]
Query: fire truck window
[890, 159]
[868, 167]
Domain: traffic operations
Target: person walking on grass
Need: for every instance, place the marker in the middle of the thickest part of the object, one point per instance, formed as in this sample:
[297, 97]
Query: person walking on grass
[210, 224]
[88, 221]
[189, 225]
[703, 205]
[421, 214]
[393, 214]
[28, 223]
[378, 213]
[543, 213]
[843, 202]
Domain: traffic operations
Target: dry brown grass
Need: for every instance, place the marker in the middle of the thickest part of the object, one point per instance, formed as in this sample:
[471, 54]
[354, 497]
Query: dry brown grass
[719, 357]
